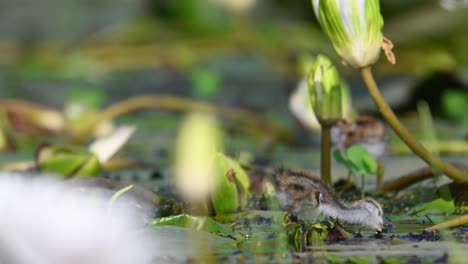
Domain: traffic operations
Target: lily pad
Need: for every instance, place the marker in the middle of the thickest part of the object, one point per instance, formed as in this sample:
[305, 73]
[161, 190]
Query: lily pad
[203, 223]
[438, 206]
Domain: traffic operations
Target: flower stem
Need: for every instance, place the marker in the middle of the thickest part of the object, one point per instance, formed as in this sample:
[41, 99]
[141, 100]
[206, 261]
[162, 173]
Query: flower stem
[380, 174]
[404, 134]
[325, 153]
[363, 184]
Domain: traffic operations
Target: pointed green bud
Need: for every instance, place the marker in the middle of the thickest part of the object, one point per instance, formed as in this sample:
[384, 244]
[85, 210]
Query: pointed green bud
[354, 28]
[198, 141]
[325, 91]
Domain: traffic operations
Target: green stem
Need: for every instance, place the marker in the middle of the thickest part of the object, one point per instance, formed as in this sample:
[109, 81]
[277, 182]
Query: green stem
[380, 173]
[363, 184]
[349, 184]
[325, 157]
[404, 134]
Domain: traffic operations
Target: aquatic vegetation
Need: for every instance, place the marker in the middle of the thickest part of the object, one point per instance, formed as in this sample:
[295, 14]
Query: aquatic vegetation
[325, 98]
[177, 116]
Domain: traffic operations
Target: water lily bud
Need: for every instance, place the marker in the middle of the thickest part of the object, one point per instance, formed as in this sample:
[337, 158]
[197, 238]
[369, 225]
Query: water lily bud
[198, 141]
[300, 106]
[325, 91]
[354, 28]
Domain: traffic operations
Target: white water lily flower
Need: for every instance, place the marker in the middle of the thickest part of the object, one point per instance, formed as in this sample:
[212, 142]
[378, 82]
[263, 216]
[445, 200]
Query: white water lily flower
[354, 28]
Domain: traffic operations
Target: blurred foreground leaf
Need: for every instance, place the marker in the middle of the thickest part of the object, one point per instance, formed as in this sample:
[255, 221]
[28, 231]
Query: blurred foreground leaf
[32, 117]
[455, 106]
[206, 83]
[455, 103]
[68, 161]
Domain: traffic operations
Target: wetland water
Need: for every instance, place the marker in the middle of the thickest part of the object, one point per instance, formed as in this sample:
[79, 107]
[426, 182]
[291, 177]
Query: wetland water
[264, 246]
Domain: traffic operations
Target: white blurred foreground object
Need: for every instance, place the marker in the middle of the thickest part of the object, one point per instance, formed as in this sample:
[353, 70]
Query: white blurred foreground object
[44, 220]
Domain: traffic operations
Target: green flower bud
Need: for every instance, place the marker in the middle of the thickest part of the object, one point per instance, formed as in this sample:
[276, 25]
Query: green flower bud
[325, 91]
[195, 172]
[354, 28]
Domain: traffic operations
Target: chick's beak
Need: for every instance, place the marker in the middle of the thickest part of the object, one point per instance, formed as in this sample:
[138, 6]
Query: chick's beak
[380, 228]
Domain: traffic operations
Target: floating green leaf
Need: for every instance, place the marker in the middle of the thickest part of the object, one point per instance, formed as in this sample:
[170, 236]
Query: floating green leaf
[437, 206]
[203, 223]
[319, 231]
[335, 259]
[363, 260]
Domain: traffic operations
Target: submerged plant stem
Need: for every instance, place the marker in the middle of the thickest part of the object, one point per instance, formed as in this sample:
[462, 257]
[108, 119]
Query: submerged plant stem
[459, 221]
[416, 176]
[325, 159]
[404, 134]
[250, 121]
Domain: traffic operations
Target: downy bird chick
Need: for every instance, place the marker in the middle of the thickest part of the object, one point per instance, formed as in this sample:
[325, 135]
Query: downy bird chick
[307, 196]
[366, 131]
